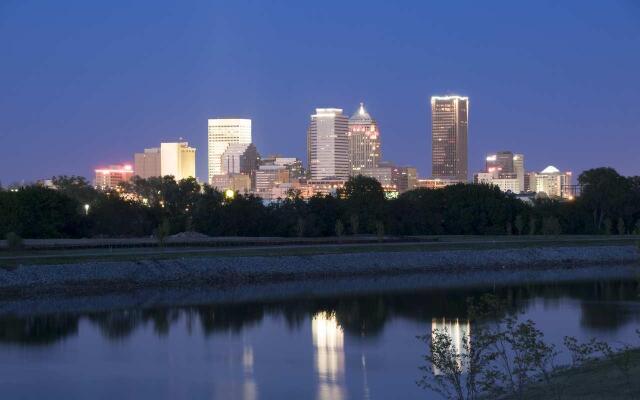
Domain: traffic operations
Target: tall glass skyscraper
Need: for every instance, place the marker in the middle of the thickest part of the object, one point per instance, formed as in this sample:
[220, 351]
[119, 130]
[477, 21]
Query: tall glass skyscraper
[449, 126]
[328, 144]
[223, 132]
[364, 141]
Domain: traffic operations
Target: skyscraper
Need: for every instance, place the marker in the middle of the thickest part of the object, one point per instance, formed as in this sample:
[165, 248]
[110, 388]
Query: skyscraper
[449, 125]
[222, 132]
[328, 144]
[240, 158]
[364, 141]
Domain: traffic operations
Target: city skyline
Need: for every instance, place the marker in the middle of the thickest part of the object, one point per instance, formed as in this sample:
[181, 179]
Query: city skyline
[159, 77]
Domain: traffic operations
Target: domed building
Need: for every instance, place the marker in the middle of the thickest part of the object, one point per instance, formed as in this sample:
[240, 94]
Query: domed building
[553, 183]
[364, 141]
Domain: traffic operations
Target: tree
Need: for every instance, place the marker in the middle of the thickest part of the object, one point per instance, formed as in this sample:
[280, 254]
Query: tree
[364, 200]
[519, 224]
[605, 193]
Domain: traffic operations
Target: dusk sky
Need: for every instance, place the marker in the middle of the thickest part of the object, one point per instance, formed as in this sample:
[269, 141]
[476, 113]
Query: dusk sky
[84, 84]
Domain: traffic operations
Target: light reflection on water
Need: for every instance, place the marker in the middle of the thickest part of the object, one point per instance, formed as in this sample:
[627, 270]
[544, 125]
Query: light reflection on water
[328, 344]
[335, 348]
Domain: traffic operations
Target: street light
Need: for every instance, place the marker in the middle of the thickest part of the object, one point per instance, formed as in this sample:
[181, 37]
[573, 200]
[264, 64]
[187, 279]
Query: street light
[86, 209]
[229, 194]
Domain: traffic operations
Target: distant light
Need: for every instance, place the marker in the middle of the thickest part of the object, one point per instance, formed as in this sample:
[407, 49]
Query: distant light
[229, 194]
[86, 209]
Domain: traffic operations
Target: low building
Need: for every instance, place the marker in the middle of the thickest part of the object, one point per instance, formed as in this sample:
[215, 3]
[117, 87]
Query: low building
[292, 164]
[321, 186]
[237, 182]
[436, 183]
[512, 185]
[267, 177]
[554, 183]
[405, 178]
[112, 176]
[505, 170]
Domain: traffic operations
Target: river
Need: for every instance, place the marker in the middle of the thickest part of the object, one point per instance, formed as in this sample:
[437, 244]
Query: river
[345, 347]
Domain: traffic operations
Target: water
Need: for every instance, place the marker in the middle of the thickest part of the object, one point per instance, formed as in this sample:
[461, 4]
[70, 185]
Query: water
[361, 347]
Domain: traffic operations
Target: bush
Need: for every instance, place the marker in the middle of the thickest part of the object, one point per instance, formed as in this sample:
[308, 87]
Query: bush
[162, 231]
[14, 241]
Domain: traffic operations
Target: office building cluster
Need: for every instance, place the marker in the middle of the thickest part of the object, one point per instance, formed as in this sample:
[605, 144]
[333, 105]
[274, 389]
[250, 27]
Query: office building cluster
[338, 147]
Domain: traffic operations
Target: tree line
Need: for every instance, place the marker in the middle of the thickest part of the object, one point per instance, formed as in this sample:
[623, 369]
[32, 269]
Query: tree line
[609, 204]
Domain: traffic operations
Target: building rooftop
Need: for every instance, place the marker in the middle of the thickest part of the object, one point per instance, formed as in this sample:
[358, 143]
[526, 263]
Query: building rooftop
[361, 115]
[550, 170]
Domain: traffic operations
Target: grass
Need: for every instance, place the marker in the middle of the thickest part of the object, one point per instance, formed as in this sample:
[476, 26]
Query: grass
[11, 259]
[600, 379]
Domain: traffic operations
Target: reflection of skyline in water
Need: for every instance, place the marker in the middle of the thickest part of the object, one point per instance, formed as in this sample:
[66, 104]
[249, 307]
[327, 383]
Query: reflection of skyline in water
[349, 347]
[604, 307]
[328, 344]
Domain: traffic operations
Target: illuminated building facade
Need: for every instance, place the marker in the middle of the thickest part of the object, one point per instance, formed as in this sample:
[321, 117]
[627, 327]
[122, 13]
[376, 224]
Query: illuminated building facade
[449, 128]
[364, 141]
[554, 183]
[177, 160]
[328, 145]
[435, 183]
[113, 175]
[221, 133]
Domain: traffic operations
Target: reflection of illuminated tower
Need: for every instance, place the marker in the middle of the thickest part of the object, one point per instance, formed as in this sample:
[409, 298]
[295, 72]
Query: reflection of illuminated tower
[328, 343]
[459, 332]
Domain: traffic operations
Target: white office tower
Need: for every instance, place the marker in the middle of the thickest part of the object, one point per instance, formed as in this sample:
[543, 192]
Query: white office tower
[328, 145]
[222, 133]
[178, 160]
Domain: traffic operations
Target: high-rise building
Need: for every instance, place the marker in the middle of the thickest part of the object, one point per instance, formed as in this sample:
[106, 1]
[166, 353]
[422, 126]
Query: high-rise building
[178, 160]
[147, 164]
[222, 133]
[113, 175]
[364, 141]
[240, 158]
[449, 128]
[328, 145]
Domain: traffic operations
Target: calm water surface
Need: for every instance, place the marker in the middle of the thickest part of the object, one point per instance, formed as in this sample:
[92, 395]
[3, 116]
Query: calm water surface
[361, 347]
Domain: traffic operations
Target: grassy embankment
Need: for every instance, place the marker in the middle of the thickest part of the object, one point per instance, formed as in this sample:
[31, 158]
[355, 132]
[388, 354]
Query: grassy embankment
[597, 380]
[432, 243]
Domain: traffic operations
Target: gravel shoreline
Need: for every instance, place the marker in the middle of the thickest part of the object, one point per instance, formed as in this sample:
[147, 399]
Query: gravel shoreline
[99, 277]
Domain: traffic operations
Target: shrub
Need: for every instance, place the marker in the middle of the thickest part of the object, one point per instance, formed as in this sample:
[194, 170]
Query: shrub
[339, 228]
[162, 231]
[14, 241]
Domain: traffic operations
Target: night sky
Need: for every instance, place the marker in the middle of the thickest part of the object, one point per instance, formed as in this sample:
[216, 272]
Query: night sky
[84, 84]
